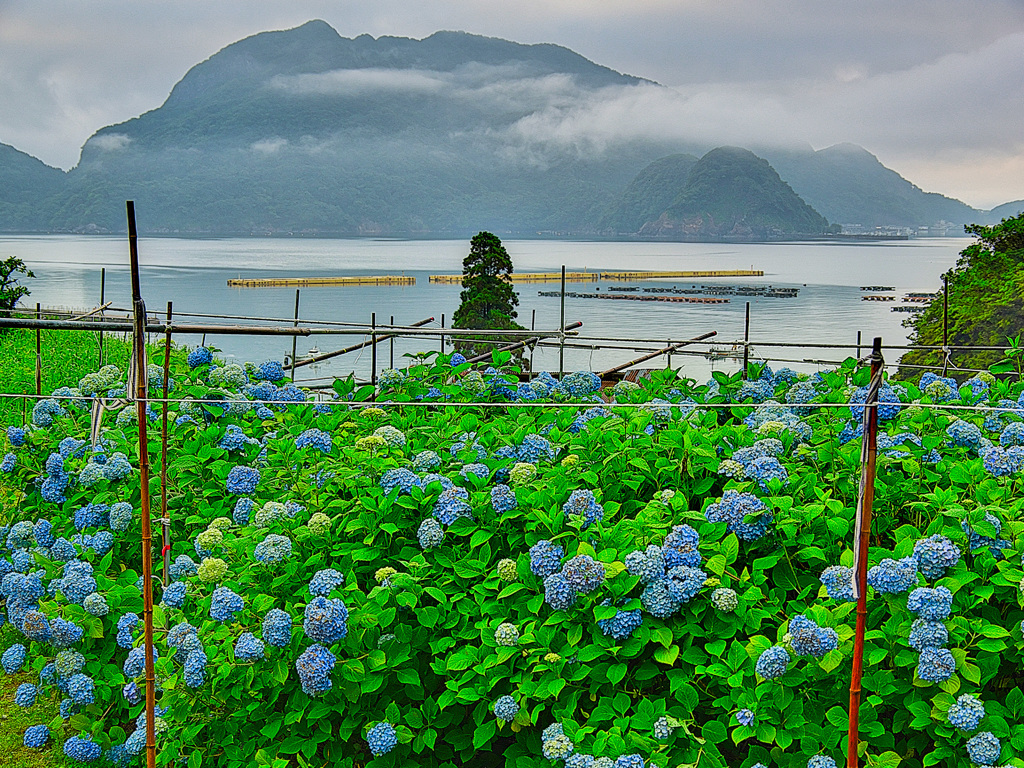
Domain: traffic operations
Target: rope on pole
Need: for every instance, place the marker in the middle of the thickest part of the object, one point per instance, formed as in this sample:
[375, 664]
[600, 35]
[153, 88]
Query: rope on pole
[165, 549]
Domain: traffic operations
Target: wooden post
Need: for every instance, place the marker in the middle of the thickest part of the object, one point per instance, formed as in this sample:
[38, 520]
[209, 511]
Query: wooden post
[858, 345]
[39, 353]
[165, 549]
[392, 364]
[746, 342]
[139, 339]
[561, 338]
[442, 333]
[373, 346]
[295, 339]
[869, 450]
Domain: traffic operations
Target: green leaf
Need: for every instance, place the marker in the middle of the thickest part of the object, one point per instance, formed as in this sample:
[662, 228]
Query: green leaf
[667, 655]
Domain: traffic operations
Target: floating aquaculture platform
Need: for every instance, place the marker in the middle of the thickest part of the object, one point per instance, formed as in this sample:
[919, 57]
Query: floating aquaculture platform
[876, 288]
[729, 290]
[633, 297]
[303, 282]
[593, 277]
[877, 297]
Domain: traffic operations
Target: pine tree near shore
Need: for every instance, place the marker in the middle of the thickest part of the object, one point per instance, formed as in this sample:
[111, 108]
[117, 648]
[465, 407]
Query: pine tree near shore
[488, 300]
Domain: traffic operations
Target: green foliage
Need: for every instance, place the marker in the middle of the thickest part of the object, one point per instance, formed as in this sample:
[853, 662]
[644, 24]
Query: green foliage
[986, 302]
[488, 300]
[10, 289]
[420, 649]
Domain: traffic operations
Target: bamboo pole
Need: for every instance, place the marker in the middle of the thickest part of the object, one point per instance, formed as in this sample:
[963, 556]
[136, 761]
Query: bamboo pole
[373, 349]
[561, 324]
[39, 352]
[103, 287]
[165, 549]
[945, 322]
[355, 347]
[147, 532]
[746, 342]
[442, 333]
[658, 352]
[863, 537]
[520, 344]
[295, 339]
[392, 342]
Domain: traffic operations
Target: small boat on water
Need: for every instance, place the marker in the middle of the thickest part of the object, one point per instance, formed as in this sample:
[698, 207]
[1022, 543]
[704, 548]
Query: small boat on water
[722, 353]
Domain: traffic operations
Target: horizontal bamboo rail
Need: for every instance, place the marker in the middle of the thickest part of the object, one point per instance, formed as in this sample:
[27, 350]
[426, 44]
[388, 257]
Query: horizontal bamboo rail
[277, 282]
[593, 277]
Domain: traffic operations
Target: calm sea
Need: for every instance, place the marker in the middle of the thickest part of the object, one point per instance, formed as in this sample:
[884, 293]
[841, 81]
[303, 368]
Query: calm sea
[193, 273]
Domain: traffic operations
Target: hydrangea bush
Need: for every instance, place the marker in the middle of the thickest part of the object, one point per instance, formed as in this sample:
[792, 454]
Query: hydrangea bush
[627, 579]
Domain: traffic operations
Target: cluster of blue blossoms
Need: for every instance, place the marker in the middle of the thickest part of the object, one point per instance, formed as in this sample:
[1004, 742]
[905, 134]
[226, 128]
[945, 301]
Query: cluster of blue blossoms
[670, 573]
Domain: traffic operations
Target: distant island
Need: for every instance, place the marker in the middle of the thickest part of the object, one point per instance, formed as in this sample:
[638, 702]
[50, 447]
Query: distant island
[305, 132]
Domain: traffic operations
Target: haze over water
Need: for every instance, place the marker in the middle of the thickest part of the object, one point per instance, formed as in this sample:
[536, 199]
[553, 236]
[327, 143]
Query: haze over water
[193, 273]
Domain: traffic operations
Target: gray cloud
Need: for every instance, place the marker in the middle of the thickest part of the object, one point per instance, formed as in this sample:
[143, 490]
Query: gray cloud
[931, 87]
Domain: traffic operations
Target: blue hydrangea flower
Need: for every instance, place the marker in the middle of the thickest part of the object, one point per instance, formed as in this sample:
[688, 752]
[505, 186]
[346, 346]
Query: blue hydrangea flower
[503, 499]
[183, 566]
[326, 620]
[382, 738]
[584, 573]
[174, 594]
[7, 465]
[684, 582]
[838, 581]
[400, 478]
[966, 713]
[277, 628]
[134, 665]
[242, 480]
[314, 667]
[821, 761]
[558, 592]
[505, 708]
[583, 507]
[96, 604]
[82, 750]
[199, 356]
[658, 600]
[629, 761]
[935, 554]
[745, 717]
[893, 576]
[225, 604]
[35, 626]
[545, 558]
[680, 547]
[765, 469]
[649, 564]
[772, 663]
[194, 672]
[506, 635]
[68, 663]
[888, 403]
[984, 748]
[557, 748]
[733, 509]
[430, 534]
[36, 736]
[315, 438]
[623, 624]
[13, 658]
[810, 639]
[16, 436]
[26, 694]
[64, 633]
[424, 461]
[81, 689]
[273, 549]
[928, 634]
[248, 647]
[936, 665]
[931, 604]
[323, 582]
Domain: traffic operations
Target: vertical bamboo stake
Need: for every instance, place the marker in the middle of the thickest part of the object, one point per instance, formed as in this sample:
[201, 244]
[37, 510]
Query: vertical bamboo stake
[392, 365]
[295, 339]
[858, 345]
[561, 337]
[442, 333]
[945, 321]
[103, 286]
[165, 521]
[861, 546]
[139, 308]
[746, 342]
[39, 353]
[373, 349]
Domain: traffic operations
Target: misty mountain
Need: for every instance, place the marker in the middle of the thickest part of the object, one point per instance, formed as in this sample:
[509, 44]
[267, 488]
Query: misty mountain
[848, 185]
[732, 193]
[305, 131]
[653, 190]
[26, 184]
[1004, 211]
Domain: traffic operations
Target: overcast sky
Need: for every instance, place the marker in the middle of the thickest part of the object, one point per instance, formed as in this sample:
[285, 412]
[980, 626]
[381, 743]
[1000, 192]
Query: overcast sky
[933, 87]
